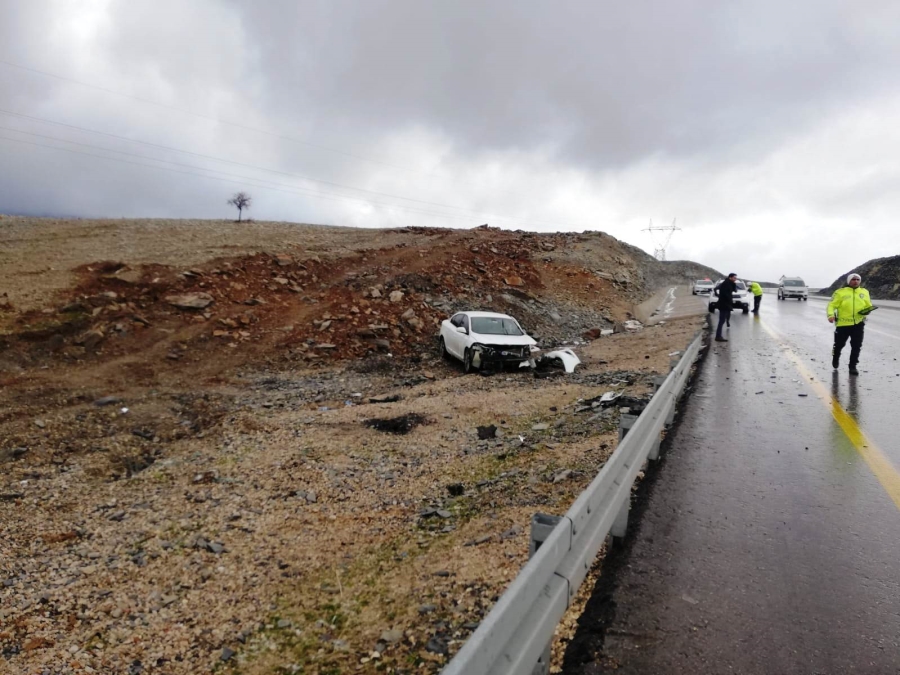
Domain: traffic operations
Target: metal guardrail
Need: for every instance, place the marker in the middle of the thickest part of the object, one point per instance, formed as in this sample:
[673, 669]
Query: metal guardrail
[514, 638]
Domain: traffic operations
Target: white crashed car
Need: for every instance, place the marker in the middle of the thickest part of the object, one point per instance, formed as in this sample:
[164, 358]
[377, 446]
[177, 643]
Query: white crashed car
[485, 339]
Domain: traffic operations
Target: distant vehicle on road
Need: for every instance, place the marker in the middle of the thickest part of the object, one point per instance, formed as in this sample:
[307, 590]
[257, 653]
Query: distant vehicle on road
[792, 287]
[485, 339]
[741, 299]
[702, 287]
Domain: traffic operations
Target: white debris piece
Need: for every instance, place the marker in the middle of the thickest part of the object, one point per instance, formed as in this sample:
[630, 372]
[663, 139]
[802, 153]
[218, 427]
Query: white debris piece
[567, 356]
[632, 324]
[609, 397]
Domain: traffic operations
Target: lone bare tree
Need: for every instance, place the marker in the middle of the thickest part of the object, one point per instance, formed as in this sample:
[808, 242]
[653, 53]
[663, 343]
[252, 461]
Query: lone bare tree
[240, 201]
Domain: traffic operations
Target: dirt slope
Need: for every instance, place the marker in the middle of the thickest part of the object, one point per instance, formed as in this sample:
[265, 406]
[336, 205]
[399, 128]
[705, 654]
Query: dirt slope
[287, 477]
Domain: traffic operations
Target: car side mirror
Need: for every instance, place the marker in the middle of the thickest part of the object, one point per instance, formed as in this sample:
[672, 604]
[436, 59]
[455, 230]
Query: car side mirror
[462, 329]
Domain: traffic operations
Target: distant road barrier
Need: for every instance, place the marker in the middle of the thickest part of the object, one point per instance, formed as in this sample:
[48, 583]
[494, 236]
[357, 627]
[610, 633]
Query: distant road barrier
[514, 638]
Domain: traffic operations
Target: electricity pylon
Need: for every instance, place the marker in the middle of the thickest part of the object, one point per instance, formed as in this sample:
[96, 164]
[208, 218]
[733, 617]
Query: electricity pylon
[660, 251]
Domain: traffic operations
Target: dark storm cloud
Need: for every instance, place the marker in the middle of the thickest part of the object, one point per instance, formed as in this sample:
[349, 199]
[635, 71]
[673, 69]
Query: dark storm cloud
[773, 120]
[604, 83]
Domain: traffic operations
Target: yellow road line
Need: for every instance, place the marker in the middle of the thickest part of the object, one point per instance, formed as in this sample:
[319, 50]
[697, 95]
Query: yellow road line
[874, 457]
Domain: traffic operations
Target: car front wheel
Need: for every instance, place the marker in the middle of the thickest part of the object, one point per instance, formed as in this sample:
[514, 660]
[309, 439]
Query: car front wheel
[712, 309]
[468, 367]
[444, 353]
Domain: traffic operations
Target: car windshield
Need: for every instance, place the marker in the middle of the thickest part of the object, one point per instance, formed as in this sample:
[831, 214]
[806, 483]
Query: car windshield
[495, 325]
[704, 283]
[794, 282]
[740, 285]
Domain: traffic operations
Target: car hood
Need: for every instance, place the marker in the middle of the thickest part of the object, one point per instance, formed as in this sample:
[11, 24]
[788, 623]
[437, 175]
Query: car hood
[501, 340]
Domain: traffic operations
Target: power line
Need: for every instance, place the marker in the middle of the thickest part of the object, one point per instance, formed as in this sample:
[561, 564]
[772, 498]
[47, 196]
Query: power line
[201, 115]
[251, 166]
[236, 125]
[255, 182]
[258, 182]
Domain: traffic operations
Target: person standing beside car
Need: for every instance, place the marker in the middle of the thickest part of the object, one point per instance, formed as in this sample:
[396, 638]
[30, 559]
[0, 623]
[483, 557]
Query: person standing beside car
[847, 310]
[757, 291]
[726, 292]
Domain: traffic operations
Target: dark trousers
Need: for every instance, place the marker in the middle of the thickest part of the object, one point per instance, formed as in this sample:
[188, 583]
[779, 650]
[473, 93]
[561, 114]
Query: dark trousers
[724, 317]
[757, 299]
[852, 333]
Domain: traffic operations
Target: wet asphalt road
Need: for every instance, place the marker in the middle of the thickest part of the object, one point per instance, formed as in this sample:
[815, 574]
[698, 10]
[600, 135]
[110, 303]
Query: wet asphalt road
[770, 538]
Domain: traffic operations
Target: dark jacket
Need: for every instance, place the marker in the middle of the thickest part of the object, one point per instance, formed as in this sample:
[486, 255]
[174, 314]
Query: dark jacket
[726, 292]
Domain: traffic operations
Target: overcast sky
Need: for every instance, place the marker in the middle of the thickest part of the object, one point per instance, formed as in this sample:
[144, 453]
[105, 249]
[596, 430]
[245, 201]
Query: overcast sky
[768, 129]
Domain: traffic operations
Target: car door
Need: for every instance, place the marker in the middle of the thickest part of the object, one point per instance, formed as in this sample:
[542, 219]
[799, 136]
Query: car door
[454, 339]
[465, 339]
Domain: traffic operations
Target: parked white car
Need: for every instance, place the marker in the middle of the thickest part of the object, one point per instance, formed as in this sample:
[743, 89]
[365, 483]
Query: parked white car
[480, 339]
[702, 287]
[741, 299]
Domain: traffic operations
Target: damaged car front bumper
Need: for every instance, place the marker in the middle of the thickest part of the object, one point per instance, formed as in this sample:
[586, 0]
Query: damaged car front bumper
[500, 355]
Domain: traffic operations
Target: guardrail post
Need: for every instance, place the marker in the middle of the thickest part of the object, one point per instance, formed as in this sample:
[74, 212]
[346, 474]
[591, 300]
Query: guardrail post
[620, 524]
[626, 421]
[658, 381]
[653, 455]
[670, 417]
[541, 527]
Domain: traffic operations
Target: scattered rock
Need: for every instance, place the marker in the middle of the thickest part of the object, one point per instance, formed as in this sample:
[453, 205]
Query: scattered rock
[392, 637]
[487, 432]
[384, 398]
[437, 645]
[512, 532]
[91, 339]
[397, 425]
[562, 475]
[456, 489]
[479, 540]
[190, 300]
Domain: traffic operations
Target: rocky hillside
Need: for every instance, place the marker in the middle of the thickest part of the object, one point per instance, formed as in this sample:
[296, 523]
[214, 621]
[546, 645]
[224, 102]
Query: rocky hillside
[674, 272]
[300, 291]
[880, 275]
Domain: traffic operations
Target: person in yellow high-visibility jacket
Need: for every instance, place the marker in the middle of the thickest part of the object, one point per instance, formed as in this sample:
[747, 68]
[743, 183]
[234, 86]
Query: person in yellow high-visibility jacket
[757, 291]
[847, 311]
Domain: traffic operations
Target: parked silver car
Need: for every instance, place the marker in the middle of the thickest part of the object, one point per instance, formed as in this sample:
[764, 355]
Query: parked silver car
[792, 287]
